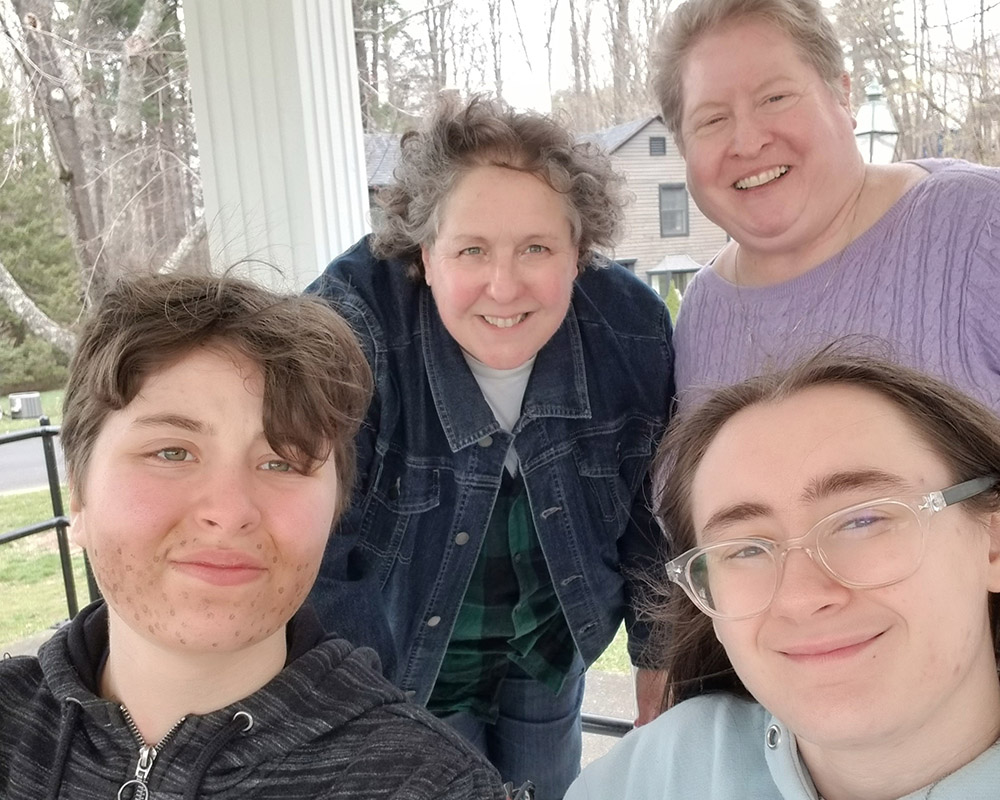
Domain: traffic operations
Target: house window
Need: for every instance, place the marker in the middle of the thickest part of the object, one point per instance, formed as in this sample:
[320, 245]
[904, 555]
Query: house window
[673, 210]
[662, 279]
[657, 145]
[682, 279]
[628, 263]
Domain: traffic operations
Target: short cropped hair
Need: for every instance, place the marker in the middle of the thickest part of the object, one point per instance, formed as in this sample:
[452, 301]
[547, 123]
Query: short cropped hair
[459, 137]
[963, 433]
[803, 21]
[317, 383]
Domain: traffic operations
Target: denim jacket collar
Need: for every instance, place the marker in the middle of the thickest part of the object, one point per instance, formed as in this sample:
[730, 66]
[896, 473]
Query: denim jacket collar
[557, 386]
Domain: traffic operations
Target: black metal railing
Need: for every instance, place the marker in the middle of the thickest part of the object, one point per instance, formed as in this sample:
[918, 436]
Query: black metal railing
[59, 521]
[606, 726]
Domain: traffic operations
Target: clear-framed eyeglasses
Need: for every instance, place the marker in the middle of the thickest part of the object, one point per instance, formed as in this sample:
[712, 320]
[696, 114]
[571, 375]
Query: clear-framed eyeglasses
[864, 546]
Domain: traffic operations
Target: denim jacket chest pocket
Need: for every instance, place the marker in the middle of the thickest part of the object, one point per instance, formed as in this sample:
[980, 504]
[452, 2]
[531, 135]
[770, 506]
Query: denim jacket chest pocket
[612, 461]
[401, 490]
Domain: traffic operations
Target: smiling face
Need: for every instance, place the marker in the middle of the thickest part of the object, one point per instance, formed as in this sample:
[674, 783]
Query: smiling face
[842, 667]
[769, 147]
[502, 267]
[201, 537]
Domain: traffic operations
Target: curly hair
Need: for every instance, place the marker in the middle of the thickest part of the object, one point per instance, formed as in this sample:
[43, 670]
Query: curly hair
[803, 21]
[317, 383]
[459, 137]
[961, 431]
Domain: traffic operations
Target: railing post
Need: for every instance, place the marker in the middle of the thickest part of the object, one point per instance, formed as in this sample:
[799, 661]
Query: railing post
[55, 493]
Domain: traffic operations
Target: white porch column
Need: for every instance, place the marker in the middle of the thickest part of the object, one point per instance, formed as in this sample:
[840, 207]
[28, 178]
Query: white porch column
[274, 86]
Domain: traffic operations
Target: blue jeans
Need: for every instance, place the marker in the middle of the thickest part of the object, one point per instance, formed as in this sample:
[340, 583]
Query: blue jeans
[537, 736]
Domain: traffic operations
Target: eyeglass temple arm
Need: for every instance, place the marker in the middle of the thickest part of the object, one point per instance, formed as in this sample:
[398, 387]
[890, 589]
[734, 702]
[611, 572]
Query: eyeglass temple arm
[963, 491]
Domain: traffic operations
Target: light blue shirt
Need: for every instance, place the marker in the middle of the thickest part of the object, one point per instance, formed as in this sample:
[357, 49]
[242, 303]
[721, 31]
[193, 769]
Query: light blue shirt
[719, 747]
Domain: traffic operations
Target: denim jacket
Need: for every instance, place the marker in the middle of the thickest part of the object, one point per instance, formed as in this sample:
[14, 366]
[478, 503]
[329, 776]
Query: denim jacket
[431, 457]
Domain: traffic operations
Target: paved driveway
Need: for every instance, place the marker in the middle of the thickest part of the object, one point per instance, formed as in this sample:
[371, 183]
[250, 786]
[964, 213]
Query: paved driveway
[22, 465]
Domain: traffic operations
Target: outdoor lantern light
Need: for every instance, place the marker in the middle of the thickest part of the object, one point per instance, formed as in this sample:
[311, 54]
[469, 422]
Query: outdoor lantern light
[876, 132]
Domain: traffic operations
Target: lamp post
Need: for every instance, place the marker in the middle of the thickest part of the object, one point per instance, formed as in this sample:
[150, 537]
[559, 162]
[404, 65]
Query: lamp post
[876, 132]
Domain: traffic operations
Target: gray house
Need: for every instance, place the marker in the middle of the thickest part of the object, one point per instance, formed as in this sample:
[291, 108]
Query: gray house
[666, 237]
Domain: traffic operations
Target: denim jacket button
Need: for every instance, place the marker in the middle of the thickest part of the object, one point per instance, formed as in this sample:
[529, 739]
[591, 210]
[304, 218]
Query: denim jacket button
[434, 621]
[486, 441]
[462, 538]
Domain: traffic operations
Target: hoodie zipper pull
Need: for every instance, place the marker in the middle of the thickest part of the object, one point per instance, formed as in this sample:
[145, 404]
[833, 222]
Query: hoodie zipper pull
[147, 755]
[140, 791]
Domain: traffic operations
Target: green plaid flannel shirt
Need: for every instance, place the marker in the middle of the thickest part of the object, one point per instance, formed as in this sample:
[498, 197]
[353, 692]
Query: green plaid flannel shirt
[510, 615]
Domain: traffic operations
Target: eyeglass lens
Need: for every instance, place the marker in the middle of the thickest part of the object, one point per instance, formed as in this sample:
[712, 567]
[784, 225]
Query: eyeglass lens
[864, 547]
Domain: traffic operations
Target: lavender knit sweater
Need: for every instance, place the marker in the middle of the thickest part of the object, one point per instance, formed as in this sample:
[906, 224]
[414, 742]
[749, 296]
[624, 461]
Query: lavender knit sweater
[921, 285]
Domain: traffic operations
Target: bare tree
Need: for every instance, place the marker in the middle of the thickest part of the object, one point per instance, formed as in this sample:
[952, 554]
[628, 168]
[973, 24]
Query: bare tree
[944, 96]
[369, 17]
[109, 84]
[436, 16]
[38, 322]
[553, 10]
[496, 44]
[622, 74]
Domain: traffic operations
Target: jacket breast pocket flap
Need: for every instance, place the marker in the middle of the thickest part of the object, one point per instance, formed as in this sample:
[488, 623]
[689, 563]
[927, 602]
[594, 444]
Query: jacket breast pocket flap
[614, 452]
[407, 489]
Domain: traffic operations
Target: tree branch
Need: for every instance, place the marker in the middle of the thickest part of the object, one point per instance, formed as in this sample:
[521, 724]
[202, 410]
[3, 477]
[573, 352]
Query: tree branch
[37, 321]
[185, 247]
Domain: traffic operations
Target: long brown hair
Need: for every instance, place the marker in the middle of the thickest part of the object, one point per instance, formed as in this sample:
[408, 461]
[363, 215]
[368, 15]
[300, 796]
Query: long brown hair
[962, 432]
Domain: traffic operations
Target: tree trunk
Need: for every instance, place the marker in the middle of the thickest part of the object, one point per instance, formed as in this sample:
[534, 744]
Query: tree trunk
[59, 104]
[620, 58]
[496, 41]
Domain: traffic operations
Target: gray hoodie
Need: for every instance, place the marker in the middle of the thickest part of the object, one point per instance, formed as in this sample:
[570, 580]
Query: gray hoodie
[327, 726]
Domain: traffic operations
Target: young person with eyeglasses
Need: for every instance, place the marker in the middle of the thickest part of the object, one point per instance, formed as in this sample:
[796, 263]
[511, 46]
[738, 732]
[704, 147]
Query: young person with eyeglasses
[838, 526]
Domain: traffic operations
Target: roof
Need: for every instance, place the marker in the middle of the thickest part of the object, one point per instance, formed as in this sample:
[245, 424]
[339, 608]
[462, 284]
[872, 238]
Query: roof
[676, 263]
[610, 139]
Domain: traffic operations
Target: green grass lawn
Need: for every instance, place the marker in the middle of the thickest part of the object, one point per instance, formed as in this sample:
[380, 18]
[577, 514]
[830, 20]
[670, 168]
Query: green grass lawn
[615, 658]
[51, 406]
[31, 583]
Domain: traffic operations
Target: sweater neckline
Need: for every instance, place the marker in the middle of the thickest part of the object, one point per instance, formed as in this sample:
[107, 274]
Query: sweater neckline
[823, 273]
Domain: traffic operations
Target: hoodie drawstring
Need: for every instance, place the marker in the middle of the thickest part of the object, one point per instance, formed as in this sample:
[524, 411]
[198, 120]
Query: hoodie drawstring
[240, 723]
[67, 727]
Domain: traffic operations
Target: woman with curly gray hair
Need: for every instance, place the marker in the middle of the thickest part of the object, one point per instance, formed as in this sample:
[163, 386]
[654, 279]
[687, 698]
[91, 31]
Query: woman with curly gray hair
[501, 522]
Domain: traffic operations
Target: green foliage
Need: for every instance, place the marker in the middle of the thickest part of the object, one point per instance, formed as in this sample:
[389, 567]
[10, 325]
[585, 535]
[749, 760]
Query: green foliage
[32, 365]
[615, 658]
[673, 301]
[36, 250]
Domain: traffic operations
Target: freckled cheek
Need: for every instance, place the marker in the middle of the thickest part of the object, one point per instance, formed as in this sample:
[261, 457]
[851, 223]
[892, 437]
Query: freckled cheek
[127, 579]
[260, 616]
